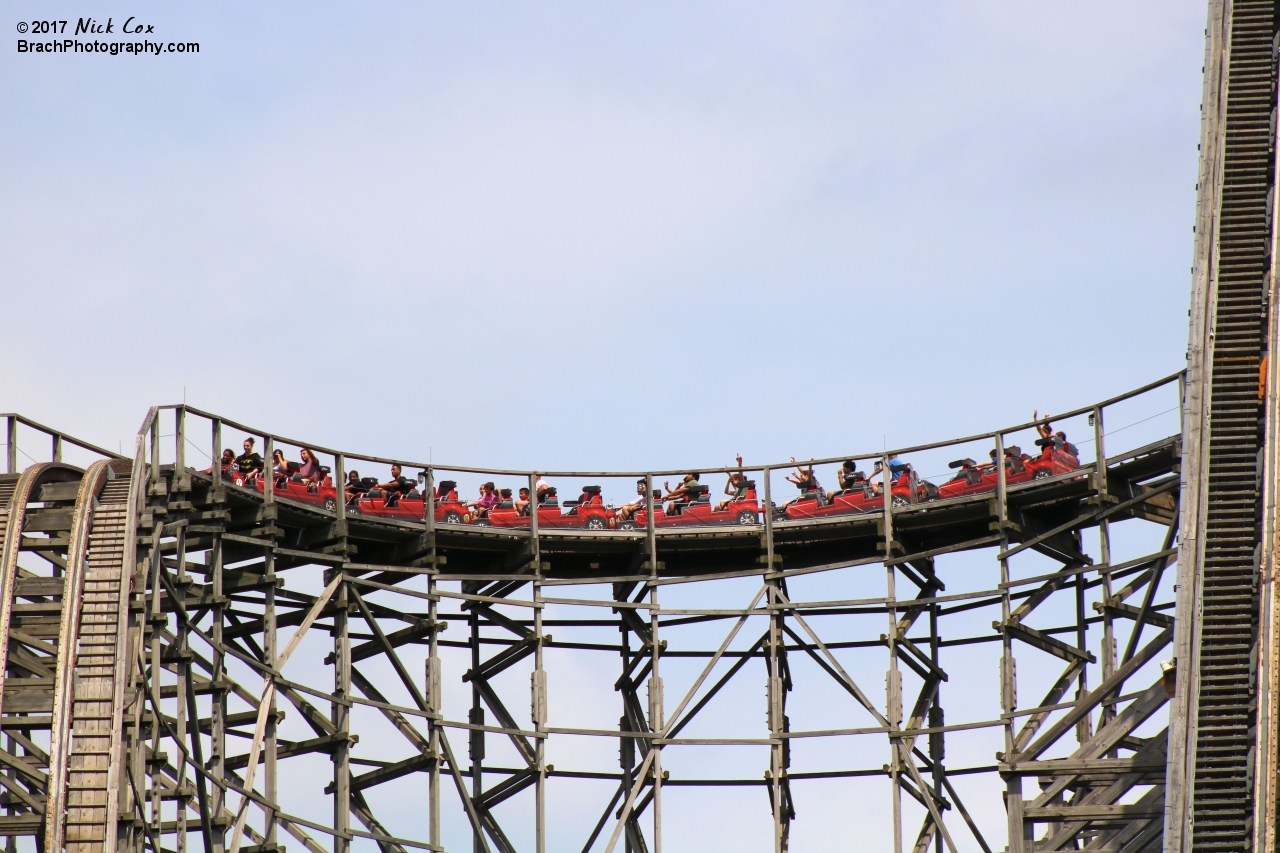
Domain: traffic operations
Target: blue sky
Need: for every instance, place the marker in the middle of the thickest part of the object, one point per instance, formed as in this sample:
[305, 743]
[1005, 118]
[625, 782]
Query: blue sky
[595, 236]
[608, 236]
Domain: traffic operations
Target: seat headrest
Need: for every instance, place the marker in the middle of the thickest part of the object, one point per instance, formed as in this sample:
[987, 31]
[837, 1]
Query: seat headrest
[1044, 442]
[325, 469]
[550, 492]
[1013, 450]
[447, 486]
[591, 490]
[506, 494]
[697, 490]
[750, 484]
[962, 463]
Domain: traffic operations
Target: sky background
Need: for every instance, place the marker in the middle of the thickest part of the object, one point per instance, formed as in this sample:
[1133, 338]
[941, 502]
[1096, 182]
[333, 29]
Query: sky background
[598, 236]
[588, 236]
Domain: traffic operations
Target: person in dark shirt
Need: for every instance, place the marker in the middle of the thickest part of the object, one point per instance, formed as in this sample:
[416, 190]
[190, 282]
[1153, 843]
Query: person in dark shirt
[397, 486]
[353, 489]
[249, 463]
[848, 474]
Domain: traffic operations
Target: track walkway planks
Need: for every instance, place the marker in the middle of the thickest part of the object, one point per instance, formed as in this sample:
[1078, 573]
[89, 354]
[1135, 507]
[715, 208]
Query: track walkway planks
[86, 750]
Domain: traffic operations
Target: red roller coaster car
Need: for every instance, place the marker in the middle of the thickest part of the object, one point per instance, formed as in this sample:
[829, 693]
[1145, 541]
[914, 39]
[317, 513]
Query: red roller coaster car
[588, 513]
[700, 511]
[291, 488]
[860, 497]
[411, 506]
[449, 509]
[972, 478]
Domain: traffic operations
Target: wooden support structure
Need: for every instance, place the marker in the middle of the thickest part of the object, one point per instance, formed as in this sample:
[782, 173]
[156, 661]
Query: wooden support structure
[206, 719]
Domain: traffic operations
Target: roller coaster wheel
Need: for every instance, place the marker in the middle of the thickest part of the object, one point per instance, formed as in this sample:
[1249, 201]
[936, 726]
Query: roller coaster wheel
[452, 517]
[331, 504]
[1041, 474]
[627, 525]
[899, 501]
[747, 517]
[595, 522]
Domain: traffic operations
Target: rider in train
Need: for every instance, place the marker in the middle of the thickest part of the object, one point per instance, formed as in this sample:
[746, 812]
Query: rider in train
[735, 487]
[397, 486]
[681, 495]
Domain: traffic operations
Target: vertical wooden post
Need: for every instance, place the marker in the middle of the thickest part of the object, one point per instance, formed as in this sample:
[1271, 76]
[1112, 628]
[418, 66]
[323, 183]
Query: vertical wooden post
[656, 708]
[773, 683]
[340, 482]
[1108, 710]
[11, 440]
[180, 712]
[217, 700]
[216, 470]
[657, 702]
[180, 448]
[268, 471]
[341, 718]
[1008, 665]
[538, 696]
[57, 447]
[155, 450]
[434, 676]
[1084, 728]
[154, 626]
[270, 780]
[893, 676]
[937, 740]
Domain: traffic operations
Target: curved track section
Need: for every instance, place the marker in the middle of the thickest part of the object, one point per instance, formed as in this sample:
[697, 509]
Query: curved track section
[85, 751]
[37, 517]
